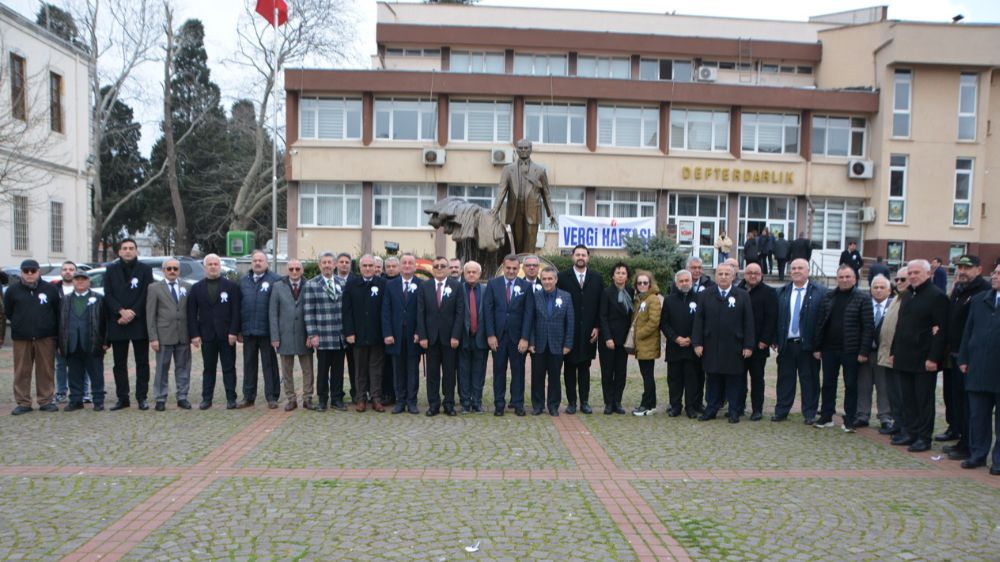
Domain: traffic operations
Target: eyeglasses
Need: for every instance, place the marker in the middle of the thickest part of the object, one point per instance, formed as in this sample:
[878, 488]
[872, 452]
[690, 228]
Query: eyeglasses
[642, 282]
[29, 270]
[900, 279]
[439, 266]
[531, 265]
[294, 269]
[171, 268]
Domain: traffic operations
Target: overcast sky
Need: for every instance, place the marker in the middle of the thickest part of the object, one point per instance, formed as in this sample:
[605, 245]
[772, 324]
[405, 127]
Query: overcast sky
[220, 20]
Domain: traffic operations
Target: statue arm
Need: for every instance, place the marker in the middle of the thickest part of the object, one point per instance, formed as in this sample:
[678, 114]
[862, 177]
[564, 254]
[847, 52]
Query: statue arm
[504, 192]
[544, 188]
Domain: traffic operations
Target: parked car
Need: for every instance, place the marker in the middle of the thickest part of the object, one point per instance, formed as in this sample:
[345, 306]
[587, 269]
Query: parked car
[97, 278]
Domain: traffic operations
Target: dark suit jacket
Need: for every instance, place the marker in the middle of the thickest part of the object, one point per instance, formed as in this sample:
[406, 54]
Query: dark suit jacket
[440, 323]
[808, 316]
[477, 340]
[615, 319]
[552, 332]
[399, 316]
[801, 248]
[586, 308]
[677, 320]
[362, 310]
[119, 293]
[765, 315]
[214, 320]
[512, 319]
[981, 344]
[724, 327]
[920, 310]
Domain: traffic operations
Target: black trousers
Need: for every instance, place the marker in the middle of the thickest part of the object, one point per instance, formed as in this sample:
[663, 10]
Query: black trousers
[545, 369]
[368, 364]
[81, 367]
[407, 375]
[795, 363]
[895, 392]
[833, 362]
[957, 411]
[614, 368]
[441, 365]
[577, 374]
[983, 425]
[330, 376]
[918, 403]
[212, 353]
[648, 383]
[684, 384]
[781, 268]
[140, 350]
[726, 385]
[255, 347]
[755, 369]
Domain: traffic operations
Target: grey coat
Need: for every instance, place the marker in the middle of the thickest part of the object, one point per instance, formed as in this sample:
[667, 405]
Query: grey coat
[166, 320]
[287, 318]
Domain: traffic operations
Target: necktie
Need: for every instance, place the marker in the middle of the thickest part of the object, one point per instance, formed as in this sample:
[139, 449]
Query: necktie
[796, 311]
[509, 285]
[878, 313]
[328, 288]
[582, 277]
[173, 292]
[473, 312]
[406, 291]
[723, 293]
[439, 293]
[295, 291]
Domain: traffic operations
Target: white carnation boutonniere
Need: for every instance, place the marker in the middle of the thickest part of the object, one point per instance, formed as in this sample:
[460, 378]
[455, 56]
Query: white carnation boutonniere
[700, 288]
[559, 302]
[732, 302]
[264, 286]
[517, 290]
[183, 291]
[642, 307]
[91, 301]
[374, 291]
[43, 298]
[693, 307]
[134, 283]
[536, 287]
[223, 297]
[446, 291]
[413, 288]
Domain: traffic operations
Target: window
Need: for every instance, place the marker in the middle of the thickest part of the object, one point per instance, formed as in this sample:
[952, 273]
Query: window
[902, 98]
[480, 121]
[330, 118]
[18, 104]
[699, 130]
[481, 195]
[963, 192]
[603, 67]
[620, 203]
[20, 215]
[897, 188]
[402, 205]
[967, 106]
[397, 52]
[628, 126]
[835, 221]
[838, 136]
[477, 62]
[330, 204]
[55, 102]
[666, 69]
[555, 124]
[540, 65]
[565, 201]
[956, 251]
[770, 133]
[405, 119]
[56, 227]
[769, 68]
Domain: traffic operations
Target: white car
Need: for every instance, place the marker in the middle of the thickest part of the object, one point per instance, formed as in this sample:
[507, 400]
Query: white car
[97, 278]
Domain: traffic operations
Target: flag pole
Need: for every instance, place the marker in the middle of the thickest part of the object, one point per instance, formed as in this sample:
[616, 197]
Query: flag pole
[274, 149]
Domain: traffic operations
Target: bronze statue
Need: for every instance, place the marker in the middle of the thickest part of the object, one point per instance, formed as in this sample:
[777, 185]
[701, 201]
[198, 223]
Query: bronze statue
[525, 187]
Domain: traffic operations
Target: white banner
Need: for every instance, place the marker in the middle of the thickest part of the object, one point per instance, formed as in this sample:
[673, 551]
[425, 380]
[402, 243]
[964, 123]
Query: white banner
[602, 232]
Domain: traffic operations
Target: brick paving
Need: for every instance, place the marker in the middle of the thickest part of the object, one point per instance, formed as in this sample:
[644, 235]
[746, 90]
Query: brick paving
[258, 483]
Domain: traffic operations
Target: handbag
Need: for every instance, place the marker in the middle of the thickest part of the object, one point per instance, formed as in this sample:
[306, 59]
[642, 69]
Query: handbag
[630, 339]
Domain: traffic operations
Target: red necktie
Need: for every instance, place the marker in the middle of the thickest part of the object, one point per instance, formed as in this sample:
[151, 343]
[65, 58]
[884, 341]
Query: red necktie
[439, 293]
[295, 291]
[473, 311]
[509, 285]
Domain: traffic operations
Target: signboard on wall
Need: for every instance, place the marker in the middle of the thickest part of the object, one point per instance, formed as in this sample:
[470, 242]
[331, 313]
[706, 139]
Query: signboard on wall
[602, 232]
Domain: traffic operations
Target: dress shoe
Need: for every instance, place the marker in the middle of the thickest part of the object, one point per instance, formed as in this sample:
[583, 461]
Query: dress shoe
[510, 406]
[958, 454]
[995, 470]
[230, 404]
[143, 405]
[949, 435]
[673, 412]
[608, 409]
[160, 406]
[120, 405]
[554, 412]
[73, 406]
[478, 408]
[860, 422]
[320, 407]
[339, 405]
[272, 404]
[50, 407]
[706, 417]
[183, 404]
[888, 428]
[586, 409]
[778, 418]
[571, 408]
[901, 440]
[756, 416]
[919, 446]
[307, 404]
[498, 412]
[691, 414]
[431, 412]
[398, 408]
[378, 407]
[536, 411]
[619, 410]
[973, 463]
[361, 406]
[733, 418]
[98, 407]
[245, 404]
[412, 410]
[809, 421]
[519, 412]
[450, 412]
[386, 401]
[205, 404]
[290, 405]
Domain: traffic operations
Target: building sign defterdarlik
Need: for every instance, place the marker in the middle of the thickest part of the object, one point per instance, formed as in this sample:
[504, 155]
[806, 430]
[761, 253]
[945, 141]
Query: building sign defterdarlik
[737, 175]
[602, 232]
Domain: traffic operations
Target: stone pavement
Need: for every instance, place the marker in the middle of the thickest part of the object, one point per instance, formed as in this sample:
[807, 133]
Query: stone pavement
[265, 484]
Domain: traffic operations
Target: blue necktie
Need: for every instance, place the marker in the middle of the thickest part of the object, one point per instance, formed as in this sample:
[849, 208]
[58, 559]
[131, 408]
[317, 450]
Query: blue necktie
[173, 291]
[796, 312]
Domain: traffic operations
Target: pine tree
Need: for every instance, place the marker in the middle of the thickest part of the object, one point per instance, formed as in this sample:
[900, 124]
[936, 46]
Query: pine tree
[123, 168]
[58, 21]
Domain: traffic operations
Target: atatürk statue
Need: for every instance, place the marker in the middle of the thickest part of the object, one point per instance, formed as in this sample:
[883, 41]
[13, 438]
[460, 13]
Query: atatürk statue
[525, 187]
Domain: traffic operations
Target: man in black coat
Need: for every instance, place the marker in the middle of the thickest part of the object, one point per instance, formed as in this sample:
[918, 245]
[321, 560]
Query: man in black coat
[32, 306]
[751, 249]
[852, 257]
[585, 287]
[440, 319]
[844, 335]
[125, 285]
[878, 268]
[978, 359]
[801, 248]
[968, 283]
[213, 324]
[918, 351]
[684, 378]
[723, 338]
[364, 297]
[765, 319]
[82, 329]
[782, 252]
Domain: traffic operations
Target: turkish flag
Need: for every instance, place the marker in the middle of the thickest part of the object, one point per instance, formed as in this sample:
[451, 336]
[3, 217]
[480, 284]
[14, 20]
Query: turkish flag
[266, 9]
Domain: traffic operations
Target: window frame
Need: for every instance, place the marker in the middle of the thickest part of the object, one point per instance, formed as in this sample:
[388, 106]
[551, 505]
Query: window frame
[686, 123]
[535, 58]
[616, 201]
[902, 76]
[346, 105]
[317, 198]
[609, 61]
[484, 59]
[903, 170]
[783, 142]
[572, 111]
[851, 129]
[423, 200]
[20, 217]
[56, 114]
[644, 121]
[962, 86]
[564, 199]
[454, 105]
[403, 104]
[969, 174]
[18, 87]
[463, 190]
[57, 227]
[673, 69]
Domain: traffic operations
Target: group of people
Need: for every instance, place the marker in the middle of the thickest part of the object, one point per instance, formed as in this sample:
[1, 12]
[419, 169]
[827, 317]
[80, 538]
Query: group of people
[719, 333]
[771, 251]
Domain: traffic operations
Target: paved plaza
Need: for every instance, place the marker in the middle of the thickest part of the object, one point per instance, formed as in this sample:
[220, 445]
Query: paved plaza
[261, 484]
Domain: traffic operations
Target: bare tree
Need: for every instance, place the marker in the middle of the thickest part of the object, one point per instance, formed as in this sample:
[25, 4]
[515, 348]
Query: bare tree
[323, 30]
[181, 241]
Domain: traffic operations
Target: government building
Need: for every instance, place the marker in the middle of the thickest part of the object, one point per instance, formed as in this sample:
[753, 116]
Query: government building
[848, 127]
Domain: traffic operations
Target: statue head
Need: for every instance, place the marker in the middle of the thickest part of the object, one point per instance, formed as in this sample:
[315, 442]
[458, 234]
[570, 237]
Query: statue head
[524, 149]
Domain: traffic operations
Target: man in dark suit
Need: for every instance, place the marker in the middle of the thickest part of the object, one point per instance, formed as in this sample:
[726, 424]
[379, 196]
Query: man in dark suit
[615, 316]
[765, 319]
[844, 334]
[801, 248]
[699, 281]
[918, 352]
[551, 340]
[878, 268]
[977, 359]
[399, 330]
[473, 350]
[798, 311]
[364, 299]
[440, 317]
[723, 337]
[82, 326]
[852, 257]
[782, 250]
[213, 324]
[585, 288]
[684, 379]
[345, 274]
[125, 286]
[508, 329]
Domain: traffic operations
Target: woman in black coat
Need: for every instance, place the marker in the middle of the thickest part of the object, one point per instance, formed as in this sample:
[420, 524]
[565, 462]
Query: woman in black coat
[615, 316]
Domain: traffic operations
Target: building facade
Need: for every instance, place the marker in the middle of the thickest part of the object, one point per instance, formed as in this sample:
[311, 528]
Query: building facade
[44, 144]
[846, 127]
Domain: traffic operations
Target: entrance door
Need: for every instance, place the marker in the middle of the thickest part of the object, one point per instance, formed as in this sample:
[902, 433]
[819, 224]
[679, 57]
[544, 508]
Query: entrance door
[706, 241]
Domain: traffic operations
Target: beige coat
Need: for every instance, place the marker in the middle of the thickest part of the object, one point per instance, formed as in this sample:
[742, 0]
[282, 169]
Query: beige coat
[646, 317]
[887, 333]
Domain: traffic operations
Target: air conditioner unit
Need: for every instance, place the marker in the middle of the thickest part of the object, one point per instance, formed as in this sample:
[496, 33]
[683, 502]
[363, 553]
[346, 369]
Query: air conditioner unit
[866, 215]
[434, 156]
[860, 169]
[501, 156]
[708, 74]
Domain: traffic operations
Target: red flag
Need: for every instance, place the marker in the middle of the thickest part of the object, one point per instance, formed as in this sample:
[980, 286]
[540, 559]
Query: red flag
[266, 9]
